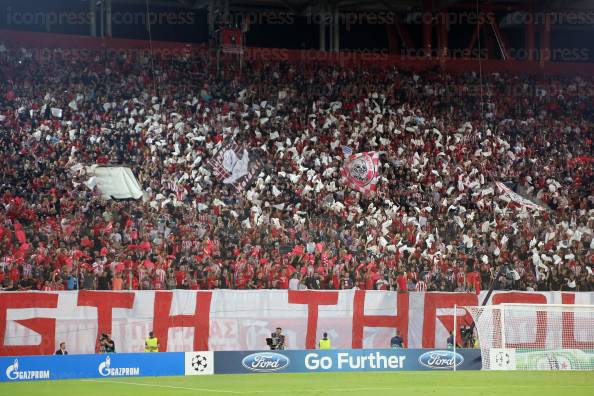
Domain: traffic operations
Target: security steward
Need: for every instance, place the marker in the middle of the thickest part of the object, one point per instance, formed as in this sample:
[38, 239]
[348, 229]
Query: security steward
[151, 344]
[325, 342]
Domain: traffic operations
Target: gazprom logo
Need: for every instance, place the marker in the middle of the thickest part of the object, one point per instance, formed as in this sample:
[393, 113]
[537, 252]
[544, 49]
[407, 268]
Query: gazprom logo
[13, 373]
[441, 359]
[105, 369]
[265, 362]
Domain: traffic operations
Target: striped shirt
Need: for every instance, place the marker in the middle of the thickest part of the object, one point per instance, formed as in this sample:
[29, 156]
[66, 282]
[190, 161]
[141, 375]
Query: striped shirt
[421, 286]
[27, 270]
[161, 275]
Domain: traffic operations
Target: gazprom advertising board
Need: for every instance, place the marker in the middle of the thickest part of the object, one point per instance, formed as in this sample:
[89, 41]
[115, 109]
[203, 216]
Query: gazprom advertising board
[27, 368]
[304, 361]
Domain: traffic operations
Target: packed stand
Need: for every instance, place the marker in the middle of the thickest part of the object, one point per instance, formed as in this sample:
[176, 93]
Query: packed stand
[436, 223]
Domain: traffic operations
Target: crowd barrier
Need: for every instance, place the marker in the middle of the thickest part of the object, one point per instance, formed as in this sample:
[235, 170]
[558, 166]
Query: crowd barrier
[30, 368]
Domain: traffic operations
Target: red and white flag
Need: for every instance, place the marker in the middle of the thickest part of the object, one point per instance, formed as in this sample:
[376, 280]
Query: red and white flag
[361, 171]
[507, 193]
[235, 164]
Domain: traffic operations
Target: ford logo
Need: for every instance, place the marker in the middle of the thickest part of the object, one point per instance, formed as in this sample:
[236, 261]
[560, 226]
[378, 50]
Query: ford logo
[441, 359]
[265, 362]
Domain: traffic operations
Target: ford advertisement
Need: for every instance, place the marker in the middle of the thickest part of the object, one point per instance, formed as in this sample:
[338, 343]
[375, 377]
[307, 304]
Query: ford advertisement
[265, 362]
[345, 360]
[443, 359]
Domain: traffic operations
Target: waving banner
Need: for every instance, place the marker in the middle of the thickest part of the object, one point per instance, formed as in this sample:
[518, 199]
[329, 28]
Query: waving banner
[235, 164]
[114, 182]
[510, 195]
[361, 171]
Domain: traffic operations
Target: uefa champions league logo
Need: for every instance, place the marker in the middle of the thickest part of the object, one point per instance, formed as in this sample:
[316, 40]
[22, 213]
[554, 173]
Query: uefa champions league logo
[199, 363]
[502, 359]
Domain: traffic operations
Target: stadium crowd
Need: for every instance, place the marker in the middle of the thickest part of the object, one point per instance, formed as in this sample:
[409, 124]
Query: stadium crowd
[436, 222]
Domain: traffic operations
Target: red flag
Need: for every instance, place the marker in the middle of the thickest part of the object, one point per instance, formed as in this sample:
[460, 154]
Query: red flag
[69, 229]
[149, 264]
[22, 250]
[298, 250]
[255, 250]
[209, 248]
[145, 246]
[108, 228]
[20, 233]
[580, 160]
[69, 263]
[86, 242]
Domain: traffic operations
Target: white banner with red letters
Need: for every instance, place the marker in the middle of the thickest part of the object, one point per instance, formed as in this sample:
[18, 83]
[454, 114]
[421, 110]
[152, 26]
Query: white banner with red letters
[36, 322]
